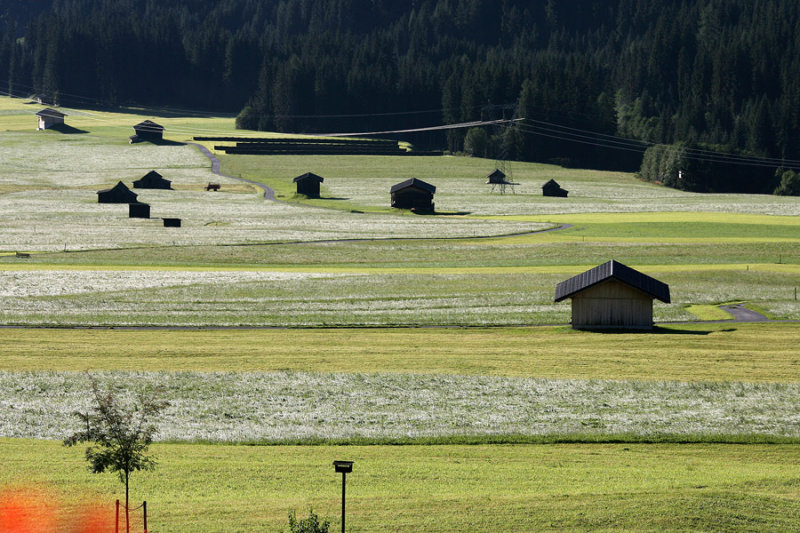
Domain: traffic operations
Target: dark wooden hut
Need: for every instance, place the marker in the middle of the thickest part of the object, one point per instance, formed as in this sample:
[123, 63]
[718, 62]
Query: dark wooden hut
[147, 131]
[308, 184]
[152, 180]
[118, 194]
[172, 222]
[413, 194]
[138, 210]
[552, 188]
[50, 117]
[612, 295]
[499, 179]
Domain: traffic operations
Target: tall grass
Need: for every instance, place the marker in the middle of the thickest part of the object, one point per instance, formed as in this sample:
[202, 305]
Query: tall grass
[299, 406]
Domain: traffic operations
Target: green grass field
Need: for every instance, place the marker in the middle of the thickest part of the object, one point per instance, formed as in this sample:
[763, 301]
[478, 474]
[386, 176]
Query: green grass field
[602, 431]
[590, 487]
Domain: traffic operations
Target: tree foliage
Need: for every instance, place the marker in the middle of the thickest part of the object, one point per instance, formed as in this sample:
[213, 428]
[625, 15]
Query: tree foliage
[723, 74]
[119, 433]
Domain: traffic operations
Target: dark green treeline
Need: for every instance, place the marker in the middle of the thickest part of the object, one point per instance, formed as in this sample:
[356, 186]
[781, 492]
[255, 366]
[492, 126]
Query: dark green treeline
[722, 73]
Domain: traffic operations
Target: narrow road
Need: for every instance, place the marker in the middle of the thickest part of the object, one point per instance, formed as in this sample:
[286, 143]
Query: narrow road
[742, 314]
[269, 194]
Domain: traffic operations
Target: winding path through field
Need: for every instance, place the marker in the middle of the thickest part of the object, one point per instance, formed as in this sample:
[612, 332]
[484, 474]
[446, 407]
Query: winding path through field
[269, 194]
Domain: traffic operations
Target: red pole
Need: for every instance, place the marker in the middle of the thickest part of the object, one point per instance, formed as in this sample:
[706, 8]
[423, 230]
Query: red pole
[144, 506]
[116, 523]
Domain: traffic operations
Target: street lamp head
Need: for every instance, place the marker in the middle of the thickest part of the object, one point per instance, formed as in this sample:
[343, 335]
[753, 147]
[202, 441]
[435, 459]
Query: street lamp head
[345, 467]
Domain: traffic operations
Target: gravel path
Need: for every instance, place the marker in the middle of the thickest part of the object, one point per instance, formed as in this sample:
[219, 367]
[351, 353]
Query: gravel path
[269, 194]
[743, 314]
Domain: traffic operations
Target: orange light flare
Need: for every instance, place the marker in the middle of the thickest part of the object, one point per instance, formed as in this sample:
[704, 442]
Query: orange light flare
[38, 510]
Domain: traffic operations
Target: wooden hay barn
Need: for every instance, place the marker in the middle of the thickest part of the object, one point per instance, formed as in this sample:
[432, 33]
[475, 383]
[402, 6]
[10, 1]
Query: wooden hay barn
[308, 184]
[413, 194]
[147, 131]
[118, 194]
[138, 210]
[152, 180]
[552, 188]
[612, 295]
[50, 117]
[172, 222]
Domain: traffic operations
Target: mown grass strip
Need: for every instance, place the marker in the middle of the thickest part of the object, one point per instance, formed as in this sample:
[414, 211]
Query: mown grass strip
[576, 487]
[698, 352]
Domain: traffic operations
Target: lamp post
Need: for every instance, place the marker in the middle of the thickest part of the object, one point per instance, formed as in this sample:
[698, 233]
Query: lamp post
[345, 467]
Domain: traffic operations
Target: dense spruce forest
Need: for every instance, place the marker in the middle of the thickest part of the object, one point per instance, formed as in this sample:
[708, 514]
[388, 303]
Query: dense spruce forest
[596, 81]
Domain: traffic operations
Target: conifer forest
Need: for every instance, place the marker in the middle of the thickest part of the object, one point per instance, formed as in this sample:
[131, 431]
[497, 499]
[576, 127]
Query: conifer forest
[595, 82]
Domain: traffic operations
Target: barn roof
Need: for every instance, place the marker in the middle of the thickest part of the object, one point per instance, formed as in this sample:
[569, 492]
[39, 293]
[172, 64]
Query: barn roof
[309, 176]
[148, 126]
[50, 112]
[617, 271]
[416, 183]
[121, 187]
[551, 183]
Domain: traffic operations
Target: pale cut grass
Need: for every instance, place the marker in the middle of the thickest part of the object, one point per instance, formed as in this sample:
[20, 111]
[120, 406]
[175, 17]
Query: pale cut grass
[288, 406]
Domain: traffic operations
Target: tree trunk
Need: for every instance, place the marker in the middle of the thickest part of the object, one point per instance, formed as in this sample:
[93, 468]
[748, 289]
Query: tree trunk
[127, 516]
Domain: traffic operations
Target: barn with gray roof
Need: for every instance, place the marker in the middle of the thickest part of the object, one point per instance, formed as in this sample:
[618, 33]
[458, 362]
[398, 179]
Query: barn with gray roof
[612, 295]
[413, 194]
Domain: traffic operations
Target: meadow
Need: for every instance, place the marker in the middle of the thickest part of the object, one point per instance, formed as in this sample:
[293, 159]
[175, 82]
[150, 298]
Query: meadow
[426, 348]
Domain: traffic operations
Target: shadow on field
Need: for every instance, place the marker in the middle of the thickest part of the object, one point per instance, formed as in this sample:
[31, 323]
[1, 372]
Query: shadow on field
[657, 330]
[67, 129]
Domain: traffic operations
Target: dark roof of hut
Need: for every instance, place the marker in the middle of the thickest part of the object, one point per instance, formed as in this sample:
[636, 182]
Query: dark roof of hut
[148, 126]
[416, 183]
[118, 187]
[152, 178]
[309, 176]
[498, 176]
[617, 271]
[50, 112]
[551, 183]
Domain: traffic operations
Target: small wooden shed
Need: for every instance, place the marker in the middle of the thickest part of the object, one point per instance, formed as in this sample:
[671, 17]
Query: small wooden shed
[612, 295]
[413, 194]
[308, 184]
[147, 131]
[50, 117]
[552, 188]
[499, 179]
[152, 180]
[118, 194]
[138, 210]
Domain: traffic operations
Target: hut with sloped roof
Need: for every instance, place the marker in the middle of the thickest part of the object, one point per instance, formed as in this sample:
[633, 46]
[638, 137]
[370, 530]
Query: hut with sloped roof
[152, 180]
[118, 194]
[413, 194]
[50, 117]
[147, 131]
[308, 184]
[612, 295]
[552, 188]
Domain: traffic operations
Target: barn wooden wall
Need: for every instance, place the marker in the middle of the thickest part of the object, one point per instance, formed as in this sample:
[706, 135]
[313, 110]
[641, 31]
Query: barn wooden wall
[612, 304]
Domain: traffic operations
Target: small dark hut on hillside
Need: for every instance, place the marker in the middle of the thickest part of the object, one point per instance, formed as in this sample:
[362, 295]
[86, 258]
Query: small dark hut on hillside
[308, 184]
[50, 117]
[612, 295]
[552, 188]
[138, 210]
[152, 180]
[413, 194]
[118, 194]
[499, 179]
[147, 131]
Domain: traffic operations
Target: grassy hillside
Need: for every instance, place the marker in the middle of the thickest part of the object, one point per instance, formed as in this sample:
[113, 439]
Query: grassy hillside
[348, 260]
